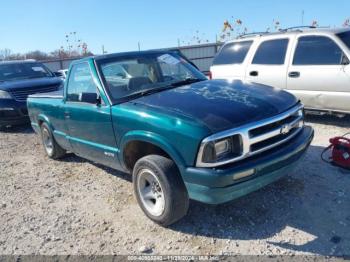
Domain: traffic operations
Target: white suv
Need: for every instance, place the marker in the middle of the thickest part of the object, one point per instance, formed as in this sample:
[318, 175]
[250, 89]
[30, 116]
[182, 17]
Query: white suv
[312, 63]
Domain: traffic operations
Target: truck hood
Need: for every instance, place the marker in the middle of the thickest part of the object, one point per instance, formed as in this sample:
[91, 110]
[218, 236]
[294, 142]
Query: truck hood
[29, 83]
[221, 104]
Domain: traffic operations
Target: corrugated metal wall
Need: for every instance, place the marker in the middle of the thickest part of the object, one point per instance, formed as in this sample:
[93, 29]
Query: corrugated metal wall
[201, 55]
[55, 65]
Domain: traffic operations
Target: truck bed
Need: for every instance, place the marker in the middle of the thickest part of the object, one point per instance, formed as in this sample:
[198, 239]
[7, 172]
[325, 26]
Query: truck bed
[55, 94]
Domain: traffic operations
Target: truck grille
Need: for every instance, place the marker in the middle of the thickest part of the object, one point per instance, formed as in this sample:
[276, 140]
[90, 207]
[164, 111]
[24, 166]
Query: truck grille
[22, 95]
[275, 132]
[261, 136]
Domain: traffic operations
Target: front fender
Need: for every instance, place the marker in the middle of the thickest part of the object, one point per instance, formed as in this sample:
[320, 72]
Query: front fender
[152, 138]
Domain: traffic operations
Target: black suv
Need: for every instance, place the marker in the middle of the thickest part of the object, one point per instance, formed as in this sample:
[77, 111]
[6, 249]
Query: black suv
[18, 79]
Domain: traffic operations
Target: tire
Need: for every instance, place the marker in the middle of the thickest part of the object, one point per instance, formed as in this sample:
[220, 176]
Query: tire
[52, 149]
[159, 189]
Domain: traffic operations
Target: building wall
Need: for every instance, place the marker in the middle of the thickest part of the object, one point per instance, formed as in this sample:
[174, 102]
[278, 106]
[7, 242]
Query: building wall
[55, 65]
[201, 55]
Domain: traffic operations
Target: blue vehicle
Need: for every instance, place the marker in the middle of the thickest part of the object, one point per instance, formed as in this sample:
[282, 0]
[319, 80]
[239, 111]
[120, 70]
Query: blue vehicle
[18, 80]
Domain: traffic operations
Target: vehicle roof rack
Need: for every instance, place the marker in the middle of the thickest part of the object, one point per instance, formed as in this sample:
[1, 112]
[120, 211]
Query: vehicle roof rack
[301, 27]
[253, 34]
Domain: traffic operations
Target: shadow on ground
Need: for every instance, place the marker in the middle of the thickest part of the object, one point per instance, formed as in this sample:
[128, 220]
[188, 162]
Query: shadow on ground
[72, 158]
[23, 129]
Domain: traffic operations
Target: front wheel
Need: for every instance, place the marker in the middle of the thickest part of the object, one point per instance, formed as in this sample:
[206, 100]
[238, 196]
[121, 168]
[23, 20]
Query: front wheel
[159, 189]
[52, 149]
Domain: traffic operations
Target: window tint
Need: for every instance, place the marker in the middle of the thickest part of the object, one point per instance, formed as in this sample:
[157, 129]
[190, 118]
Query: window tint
[345, 37]
[80, 81]
[232, 53]
[272, 52]
[317, 50]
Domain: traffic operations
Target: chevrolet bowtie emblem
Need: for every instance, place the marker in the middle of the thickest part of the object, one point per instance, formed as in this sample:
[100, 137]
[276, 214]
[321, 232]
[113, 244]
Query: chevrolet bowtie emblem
[285, 129]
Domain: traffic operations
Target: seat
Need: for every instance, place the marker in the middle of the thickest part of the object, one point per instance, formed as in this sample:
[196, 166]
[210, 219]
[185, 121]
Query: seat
[136, 83]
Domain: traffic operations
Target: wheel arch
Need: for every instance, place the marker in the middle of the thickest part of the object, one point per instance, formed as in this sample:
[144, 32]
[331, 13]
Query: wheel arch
[155, 141]
[44, 119]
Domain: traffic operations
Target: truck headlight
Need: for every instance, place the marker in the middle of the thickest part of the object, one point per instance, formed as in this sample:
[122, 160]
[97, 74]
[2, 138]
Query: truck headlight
[5, 95]
[219, 150]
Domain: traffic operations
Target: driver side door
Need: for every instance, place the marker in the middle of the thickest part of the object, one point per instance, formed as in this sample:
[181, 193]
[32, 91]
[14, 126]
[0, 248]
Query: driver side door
[89, 125]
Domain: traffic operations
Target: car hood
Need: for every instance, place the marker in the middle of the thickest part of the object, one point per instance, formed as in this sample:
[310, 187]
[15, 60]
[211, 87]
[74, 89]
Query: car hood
[29, 83]
[221, 104]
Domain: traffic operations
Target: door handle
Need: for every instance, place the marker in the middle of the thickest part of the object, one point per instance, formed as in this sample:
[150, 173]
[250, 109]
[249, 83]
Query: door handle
[254, 73]
[66, 115]
[294, 74]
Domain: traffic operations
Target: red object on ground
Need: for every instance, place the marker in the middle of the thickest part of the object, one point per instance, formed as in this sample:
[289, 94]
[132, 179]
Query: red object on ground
[340, 147]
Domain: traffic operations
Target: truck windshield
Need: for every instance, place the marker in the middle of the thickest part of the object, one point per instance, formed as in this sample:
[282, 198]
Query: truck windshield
[20, 71]
[345, 37]
[127, 77]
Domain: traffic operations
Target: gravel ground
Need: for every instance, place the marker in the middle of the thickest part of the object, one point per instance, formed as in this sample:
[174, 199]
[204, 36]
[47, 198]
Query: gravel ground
[74, 206]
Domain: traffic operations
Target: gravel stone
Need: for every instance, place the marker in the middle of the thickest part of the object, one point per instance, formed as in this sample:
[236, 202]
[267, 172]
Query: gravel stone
[145, 249]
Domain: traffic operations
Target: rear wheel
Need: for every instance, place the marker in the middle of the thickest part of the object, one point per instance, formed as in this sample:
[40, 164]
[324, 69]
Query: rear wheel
[52, 149]
[159, 189]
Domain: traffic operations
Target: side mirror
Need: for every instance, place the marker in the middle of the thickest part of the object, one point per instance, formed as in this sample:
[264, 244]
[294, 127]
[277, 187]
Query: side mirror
[345, 60]
[91, 98]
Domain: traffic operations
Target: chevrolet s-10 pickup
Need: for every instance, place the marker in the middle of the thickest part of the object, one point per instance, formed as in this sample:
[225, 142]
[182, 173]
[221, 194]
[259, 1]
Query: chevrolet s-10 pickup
[154, 115]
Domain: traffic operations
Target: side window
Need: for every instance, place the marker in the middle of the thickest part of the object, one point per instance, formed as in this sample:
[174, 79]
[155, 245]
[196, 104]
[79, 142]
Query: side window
[232, 53]
[271, 52]
[317, 50]
[80, 81]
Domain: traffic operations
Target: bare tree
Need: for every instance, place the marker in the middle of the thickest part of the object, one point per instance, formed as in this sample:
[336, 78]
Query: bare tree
[5, 53]
[37, 55]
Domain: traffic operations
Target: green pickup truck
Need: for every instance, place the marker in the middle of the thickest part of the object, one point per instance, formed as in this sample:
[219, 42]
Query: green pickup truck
[154, 115]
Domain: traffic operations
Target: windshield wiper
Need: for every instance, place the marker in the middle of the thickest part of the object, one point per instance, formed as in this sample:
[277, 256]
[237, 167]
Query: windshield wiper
[162, 88]
[149, 91]
[33, 77]
[186, 82]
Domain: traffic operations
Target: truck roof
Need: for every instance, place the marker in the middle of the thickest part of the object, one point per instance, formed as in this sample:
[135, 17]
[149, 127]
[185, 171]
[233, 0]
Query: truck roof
[17, 61]
[291, 31]
[123, 54]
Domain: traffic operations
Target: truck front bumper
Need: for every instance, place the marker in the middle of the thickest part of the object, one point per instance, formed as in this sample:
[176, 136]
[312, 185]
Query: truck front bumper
[13, 112]
[215, 186]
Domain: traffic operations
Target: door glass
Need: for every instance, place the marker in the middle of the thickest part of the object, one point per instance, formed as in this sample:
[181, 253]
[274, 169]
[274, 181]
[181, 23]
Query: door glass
[271, 52]
[317, 50]
[80, 81]
[232, 53]
[345, 37]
